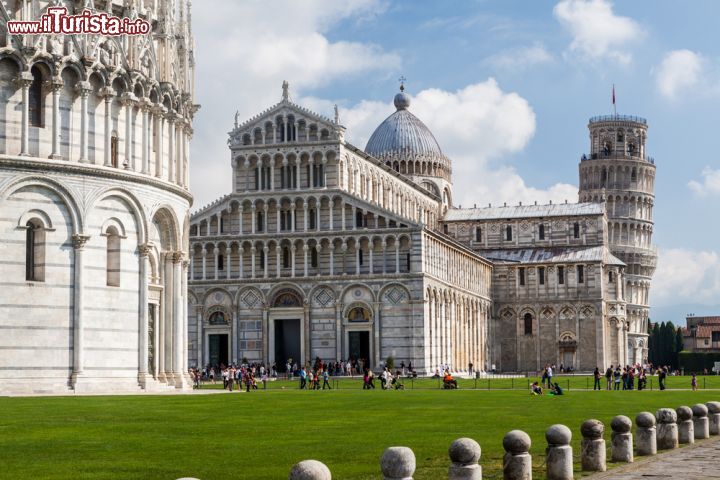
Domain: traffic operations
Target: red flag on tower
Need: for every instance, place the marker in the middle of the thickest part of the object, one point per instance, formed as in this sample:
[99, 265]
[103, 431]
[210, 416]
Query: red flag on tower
[613, 99]
[613, 94]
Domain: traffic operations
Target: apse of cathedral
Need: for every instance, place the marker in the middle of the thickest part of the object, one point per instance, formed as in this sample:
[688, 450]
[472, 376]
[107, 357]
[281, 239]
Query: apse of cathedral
[323, 249]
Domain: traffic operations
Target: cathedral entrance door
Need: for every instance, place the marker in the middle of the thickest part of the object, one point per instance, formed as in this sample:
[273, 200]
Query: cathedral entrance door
[218, 349]
[359, 346]
[287, 341]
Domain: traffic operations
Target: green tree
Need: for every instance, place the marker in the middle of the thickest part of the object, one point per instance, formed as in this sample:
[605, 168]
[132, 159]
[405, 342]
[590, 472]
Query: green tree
[654, 344]
[679, 346]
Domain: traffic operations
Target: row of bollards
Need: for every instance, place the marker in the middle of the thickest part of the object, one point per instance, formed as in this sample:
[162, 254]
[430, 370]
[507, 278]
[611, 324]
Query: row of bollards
[663, 431]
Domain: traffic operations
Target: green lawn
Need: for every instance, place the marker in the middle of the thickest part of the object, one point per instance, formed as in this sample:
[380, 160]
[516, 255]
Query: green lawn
[260, 435]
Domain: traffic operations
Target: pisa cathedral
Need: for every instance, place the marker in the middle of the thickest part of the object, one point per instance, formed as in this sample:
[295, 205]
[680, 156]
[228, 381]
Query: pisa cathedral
[94, 201]
[323, 249]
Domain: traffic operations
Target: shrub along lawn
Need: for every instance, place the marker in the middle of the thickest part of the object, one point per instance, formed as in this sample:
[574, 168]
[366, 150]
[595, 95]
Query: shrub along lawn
[260, 435]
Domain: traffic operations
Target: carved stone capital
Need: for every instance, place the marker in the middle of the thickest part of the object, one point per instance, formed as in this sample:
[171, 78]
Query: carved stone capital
[144, 249]
[79, 241]
[177, 257]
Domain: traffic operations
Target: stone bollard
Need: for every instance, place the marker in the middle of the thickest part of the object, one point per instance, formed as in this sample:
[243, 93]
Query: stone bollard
[558, 455]
[714, 415]
[464, 455]
[517, 463]
[310, 470]
[667, 430]
[622, 443]
[700, 421]
[593, 446]
[397, 463]
[646, 434]
[686, 432]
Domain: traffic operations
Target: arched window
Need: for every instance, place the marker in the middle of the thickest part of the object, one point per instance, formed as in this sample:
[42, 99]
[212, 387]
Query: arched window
[35, 251]
[478, 234]
[508, 233]
[314, 257]
[286, 257]
[262, 258]
[221, 262]
[260, 221]
[360, 256]
[521, 276]
[113, 257]
[359, 219]
[35, 98]
[528, 324]
[611, 276]
[576, 230]
[633, 175]
[541, 275]
[311, 219]
[222, 225]
[541, 231]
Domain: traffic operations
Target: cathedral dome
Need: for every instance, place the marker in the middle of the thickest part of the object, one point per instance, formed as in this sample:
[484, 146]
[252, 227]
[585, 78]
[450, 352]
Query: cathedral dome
[403, 136]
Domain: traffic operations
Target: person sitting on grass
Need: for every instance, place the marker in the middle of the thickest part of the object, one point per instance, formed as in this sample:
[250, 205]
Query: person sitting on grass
[396, 381]
[555, 389]
[449, 381]
[535, 389]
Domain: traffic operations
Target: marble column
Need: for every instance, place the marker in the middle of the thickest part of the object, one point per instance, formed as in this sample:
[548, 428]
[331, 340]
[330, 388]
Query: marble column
[144, 251]
[84, 89]
[178, 322]
[79, 242]
[171, 147]
[57, 85]
[145, 109]
[292, 261]
[305, 259]
[24, 83]
[128, 100]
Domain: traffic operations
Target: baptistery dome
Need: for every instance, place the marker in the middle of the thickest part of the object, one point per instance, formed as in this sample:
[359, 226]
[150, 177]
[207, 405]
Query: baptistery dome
[406, 144]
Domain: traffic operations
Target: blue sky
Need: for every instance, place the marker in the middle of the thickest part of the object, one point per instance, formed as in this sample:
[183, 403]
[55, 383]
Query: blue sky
[507, 86]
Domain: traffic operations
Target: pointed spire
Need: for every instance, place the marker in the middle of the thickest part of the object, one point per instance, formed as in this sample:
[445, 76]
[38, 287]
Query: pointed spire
[285, 90]
[337, 115]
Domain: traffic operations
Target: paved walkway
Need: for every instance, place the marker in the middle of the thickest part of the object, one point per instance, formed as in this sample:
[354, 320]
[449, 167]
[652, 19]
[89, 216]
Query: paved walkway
[695, 462]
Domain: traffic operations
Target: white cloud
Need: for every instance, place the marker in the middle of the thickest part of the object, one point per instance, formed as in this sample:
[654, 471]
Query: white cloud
[709, 185]
[596, 30]
[686, 276]
[475, 126]
[520, 58]
[244, 52]
[680, 70]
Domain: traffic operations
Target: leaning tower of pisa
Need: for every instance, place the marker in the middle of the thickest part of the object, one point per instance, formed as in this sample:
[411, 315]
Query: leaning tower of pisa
[94, 200]
[620, 173]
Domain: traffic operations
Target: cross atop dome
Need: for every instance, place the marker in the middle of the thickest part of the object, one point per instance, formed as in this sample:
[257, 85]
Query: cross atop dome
[402, 80]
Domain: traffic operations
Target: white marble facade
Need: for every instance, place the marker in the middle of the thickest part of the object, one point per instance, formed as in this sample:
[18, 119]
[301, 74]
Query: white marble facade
[315, 227]
[94, 201]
